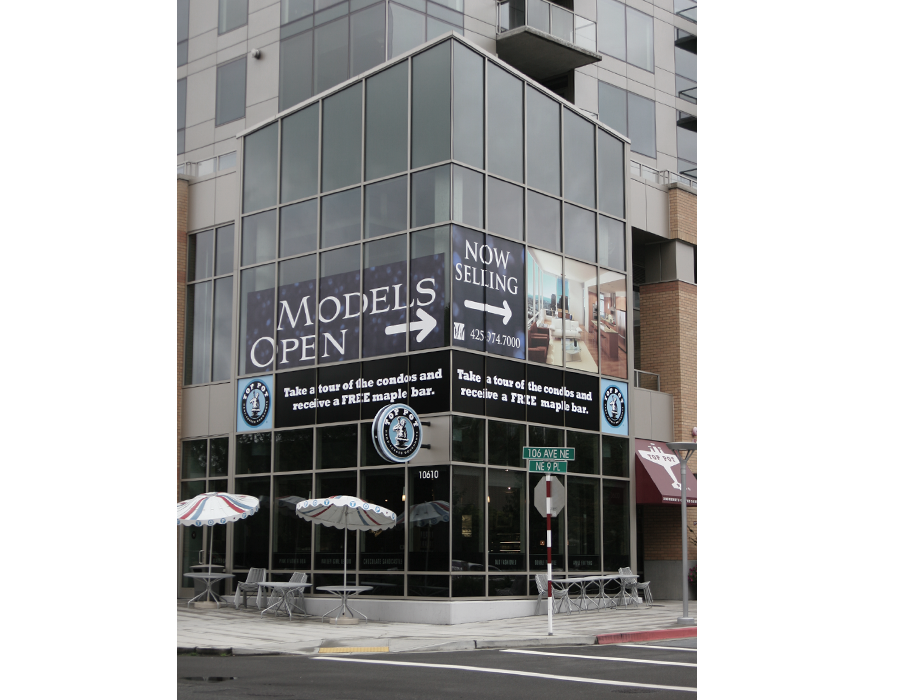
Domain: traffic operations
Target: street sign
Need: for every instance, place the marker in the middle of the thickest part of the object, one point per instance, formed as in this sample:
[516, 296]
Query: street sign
[544, 466]
[554, 453]
[557, 496]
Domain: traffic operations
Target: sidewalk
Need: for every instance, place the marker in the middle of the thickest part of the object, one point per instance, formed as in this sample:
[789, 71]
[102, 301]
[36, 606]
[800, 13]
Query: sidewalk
[243, 632]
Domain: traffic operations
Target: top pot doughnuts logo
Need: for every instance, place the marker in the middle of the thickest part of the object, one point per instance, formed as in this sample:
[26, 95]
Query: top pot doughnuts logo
[397, 433]
[614, 406]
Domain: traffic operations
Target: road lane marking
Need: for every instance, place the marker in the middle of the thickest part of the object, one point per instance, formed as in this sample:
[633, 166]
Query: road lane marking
[599, 658]
[649, 646]
[506, 672]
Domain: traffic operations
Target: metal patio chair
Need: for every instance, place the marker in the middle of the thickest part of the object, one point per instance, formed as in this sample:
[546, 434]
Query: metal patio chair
[297, 577]
[631, 588]
[249, 585]
[561, 595]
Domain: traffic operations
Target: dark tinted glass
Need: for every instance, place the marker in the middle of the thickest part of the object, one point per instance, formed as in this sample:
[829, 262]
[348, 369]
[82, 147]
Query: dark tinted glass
[230, 85]
[341, 217]
[537, 532]
[611, 174]
[581, 239]
[332, 55]
[200, 256]
[383, 550]
[428, 518]
[342, 139]
[615, 456]
[366, 39]
[431, 196]
[294, 451]
[587, 452]
[253, 452]
[183, 16]
[218, 457]
[221, 360]
[291, 535]
[611, 243]
[506, 209]
[580, 185]
[198, 340]
[295, 81]
[298, 228]
[260, 168]
[385, 207]
[505, 443]
[468, 197]
[505, 124]
[468, 439]
[616, 544]
[506, 519]
[431, 106]
[543, 221]
[193, 459]
[582, 499]
[386, 100]
[251, 536]
[336, 447]
[224, 249]
[300, 154]
[612, 109]
[468, 523]
[468, 106]
[258, 237]
[543, 142]
[539, 436]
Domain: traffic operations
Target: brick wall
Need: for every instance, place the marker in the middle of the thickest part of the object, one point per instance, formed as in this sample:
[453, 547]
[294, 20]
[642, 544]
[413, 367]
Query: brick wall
[669, 348]
[682, 214]
[181, 276]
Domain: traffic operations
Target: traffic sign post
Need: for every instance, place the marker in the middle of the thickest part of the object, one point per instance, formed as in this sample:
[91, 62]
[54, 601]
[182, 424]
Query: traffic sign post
[549, 461]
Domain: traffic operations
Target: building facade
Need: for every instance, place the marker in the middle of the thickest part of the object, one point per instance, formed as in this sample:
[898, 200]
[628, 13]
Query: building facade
[374, 211]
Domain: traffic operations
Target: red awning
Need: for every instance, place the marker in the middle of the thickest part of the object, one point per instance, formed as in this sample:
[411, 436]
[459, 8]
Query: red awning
[658, 475]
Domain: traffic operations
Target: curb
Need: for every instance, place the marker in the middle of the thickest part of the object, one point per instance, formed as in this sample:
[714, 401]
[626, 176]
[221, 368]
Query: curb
[536, 641]
[647, 636]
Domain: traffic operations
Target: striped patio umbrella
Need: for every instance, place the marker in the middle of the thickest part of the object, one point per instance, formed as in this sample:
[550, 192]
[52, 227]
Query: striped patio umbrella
[215, 508]
[348, 513]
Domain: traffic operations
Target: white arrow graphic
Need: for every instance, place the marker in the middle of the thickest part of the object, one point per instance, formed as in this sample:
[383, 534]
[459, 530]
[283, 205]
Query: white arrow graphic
[424, 325]
[504, 310]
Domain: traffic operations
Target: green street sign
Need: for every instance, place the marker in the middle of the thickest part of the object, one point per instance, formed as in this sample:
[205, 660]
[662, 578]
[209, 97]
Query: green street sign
[547, 466]
[553, 453]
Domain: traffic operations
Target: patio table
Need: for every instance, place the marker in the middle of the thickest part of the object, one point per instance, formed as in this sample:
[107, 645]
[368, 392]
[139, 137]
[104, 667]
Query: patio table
[210, 579]
[344, 592]
[284, 592]
[584, 600]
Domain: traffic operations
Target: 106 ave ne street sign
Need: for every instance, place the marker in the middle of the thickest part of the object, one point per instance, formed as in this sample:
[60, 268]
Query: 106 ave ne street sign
[546, 466]
[551, 453]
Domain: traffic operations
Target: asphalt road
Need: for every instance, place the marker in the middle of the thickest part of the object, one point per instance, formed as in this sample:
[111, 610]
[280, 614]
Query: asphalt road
[589, 672]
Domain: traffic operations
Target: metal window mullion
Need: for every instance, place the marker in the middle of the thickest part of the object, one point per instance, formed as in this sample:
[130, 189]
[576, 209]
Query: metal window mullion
[362, 218]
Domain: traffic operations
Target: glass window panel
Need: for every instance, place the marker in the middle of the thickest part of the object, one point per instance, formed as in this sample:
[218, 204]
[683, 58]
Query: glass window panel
[198, 341]
[180, 141]
[562, 24]
[685, 63]
[543, 142]
[182, 53]
[224, 249]
[539, 436]
[611, 243]
[615, 456]
[687, 144]
[468, 106]
[430, 257]
[384, 278]
[329, 551]
[295, 81]
[257, 317]
[300, 154]
[431, 106]
[431, 196]
[468, 197]
[338, 310]
[322, 4]
[515, 586]
[506, 209]
[468, 439]
[543, 221]
[366, 39]
[587, 452]
[368, 454]
[336, 447]
[613, 324]
[341, 217]
[189, 490]
[639, 43]
[419, 5]
[251, 536]
[506, 519]
[611, 25]
[386, 101]
[583, 504]
[616, 540]
[232, 14]
[299, 225]
[335, 10]
[200, 255]
[428, 518]
[228, 160]
[294, 452]
[295, 9]
[642, 125]
[537, 532]
[261, 168]
[585, 33]
[539, 15]
[468, 520]
[183, 17]
[383, 550]
[332, 62]
[193, 459]
[579, 306]
[612, 107]
[258, 237]
[292, 536]
[579, 158]
[342, 139]
[611, 174]
[218, 456]
[505, 443]
[296, 327]
[430, 586]
[253, 453]
[466, 586]
[580, 237]
[221, 360]
[505, 124]
[230, 91]
[206, 167]
[385, 207]
[182, 102]
[383, 584]
[406, 30]
[544, 282]
[435, 27]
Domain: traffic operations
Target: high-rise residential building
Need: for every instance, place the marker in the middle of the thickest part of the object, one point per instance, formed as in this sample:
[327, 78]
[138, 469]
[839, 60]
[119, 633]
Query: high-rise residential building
[481, 211]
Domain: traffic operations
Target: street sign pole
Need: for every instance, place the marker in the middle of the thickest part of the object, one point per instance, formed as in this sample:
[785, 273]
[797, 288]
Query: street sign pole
[549, 564]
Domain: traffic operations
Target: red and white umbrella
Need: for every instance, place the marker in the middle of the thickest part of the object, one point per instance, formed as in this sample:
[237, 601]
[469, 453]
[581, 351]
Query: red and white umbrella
[215, 508]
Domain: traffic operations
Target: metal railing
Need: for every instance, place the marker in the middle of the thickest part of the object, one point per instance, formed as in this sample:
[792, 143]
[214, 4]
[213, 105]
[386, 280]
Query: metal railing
[550, 18]
[689, 95]
[660, 177]
[646, 380]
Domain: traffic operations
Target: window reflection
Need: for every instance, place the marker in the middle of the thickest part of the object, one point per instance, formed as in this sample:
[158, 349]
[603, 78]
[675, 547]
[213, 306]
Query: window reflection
[612, 324]
[428, 525]
[506, 520]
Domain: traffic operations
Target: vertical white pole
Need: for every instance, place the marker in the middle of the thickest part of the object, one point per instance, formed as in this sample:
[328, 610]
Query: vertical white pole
[549, 565]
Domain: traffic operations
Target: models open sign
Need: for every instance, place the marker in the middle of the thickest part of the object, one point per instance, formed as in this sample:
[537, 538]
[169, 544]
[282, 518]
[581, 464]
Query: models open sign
[286, 336]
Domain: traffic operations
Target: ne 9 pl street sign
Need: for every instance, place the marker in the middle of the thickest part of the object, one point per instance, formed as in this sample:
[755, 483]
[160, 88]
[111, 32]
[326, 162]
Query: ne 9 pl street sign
[551, 453]
[547, 466]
